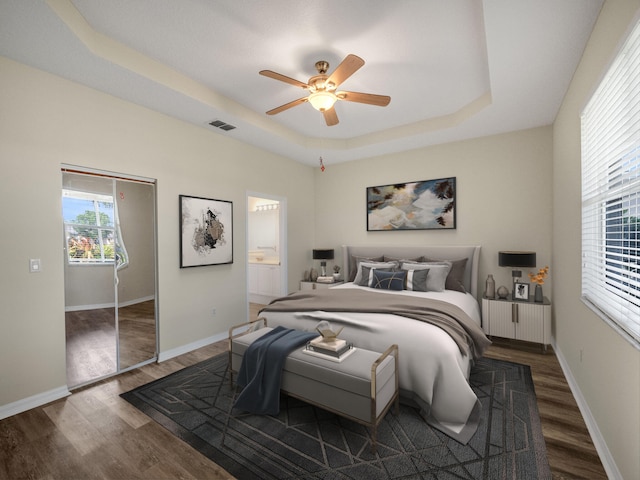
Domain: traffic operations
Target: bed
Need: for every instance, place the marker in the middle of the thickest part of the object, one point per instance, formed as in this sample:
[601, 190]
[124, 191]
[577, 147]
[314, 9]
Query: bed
[438, 331]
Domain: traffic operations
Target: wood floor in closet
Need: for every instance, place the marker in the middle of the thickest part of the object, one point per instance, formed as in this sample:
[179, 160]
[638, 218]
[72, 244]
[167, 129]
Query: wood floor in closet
[91, 340]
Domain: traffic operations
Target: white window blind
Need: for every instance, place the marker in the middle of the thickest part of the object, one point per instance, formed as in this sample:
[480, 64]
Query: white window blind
[611, 193]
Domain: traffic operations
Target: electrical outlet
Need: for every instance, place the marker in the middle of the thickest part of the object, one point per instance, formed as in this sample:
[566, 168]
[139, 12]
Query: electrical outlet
[34, 265]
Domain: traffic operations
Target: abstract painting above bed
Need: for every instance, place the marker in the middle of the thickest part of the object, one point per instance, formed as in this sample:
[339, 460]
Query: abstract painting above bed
[438, 331]
[424, 205]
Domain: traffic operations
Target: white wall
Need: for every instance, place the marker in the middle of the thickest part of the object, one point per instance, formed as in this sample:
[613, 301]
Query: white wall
[605, 367]
[46, 121]
[503, 198]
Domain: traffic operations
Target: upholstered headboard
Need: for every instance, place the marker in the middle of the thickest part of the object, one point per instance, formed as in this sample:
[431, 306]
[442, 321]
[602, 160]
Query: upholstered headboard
[433, 252]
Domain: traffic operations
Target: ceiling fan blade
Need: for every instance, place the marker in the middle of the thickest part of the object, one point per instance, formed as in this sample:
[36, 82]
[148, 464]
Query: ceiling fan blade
[368, 98]
[348, 67]
[331, 117]
[287, 106]
[283, 78]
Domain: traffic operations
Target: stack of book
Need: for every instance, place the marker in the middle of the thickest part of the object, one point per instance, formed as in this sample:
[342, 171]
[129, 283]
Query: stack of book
[336, 350]
[325, 280]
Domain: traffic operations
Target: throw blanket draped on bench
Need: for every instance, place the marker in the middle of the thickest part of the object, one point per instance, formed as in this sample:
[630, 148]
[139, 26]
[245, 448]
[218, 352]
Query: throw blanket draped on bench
[261, 370]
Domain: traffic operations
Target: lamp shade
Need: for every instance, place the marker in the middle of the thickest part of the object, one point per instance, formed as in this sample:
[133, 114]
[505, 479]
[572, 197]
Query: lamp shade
[517, 259]
[323, 254]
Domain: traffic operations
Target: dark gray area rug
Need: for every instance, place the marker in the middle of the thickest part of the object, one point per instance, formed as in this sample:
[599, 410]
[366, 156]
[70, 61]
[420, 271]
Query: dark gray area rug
[310, 443]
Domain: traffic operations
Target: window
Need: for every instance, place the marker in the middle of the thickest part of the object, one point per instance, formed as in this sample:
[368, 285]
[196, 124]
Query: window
[611, 193]
[89, 224]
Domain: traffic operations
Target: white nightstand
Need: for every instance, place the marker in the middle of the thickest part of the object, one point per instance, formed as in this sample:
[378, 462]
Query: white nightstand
[518, 320]
[317, 285]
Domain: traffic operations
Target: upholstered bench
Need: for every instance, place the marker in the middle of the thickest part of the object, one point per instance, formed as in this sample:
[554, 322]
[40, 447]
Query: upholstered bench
[362, 387]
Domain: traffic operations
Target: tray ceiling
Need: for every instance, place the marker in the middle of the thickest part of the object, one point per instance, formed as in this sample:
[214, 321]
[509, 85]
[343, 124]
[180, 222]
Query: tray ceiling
[454, 70]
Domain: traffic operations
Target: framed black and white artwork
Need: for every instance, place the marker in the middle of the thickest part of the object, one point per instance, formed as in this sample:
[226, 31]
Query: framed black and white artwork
[206, 231]
[521, 291]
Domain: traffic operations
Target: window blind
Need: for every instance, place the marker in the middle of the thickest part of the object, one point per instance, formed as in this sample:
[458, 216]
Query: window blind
[610, 129]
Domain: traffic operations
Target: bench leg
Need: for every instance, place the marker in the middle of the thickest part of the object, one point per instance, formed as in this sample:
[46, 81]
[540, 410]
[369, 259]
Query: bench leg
[374, 439]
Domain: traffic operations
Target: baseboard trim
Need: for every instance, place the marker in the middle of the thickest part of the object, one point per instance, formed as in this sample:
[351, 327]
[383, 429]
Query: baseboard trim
[606, 458]
[174, 352]
[96, 306]
[45, 397]
[34, 401]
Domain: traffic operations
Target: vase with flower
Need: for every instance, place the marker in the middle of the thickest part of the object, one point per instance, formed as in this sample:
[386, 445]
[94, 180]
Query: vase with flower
[336, 273]
[538, 279]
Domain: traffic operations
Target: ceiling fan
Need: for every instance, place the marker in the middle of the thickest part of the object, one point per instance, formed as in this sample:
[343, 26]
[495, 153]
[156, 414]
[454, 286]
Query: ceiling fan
[322, 89]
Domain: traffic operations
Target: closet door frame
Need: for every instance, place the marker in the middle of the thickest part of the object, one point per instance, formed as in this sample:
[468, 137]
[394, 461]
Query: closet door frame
[115, 178]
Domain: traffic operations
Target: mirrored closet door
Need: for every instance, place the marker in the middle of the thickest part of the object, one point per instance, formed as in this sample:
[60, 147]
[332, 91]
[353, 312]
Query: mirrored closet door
[110, 274]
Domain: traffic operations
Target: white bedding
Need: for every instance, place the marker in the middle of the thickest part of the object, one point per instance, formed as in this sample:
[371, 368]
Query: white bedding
[431, 367]
[463, 300]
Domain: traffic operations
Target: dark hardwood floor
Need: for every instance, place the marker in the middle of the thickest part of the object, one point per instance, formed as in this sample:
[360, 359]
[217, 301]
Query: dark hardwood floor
[95, 434]
[570, 449]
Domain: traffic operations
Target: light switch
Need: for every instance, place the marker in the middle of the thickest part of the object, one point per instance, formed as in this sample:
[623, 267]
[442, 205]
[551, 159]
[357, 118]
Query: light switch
[34, 265]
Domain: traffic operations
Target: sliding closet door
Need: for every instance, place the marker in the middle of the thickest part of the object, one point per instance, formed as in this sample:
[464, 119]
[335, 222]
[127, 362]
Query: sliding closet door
[135, 273]
[110, 274]
[90, 314]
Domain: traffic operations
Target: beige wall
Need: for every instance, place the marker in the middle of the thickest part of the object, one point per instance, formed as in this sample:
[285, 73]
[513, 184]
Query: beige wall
[518, 190]
[503, 197]
[605, 367]
[46, 121]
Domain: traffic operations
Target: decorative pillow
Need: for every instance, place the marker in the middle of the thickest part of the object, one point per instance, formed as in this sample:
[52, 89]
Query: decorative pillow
[388, 280]
[358, 279]
[437, 275]
[455, 279]
[417, 280]
[355, 260]
[367, 278]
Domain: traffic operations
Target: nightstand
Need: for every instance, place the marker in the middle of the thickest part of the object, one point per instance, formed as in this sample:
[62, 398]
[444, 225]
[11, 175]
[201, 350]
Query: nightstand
[528, 321]
[318, 285]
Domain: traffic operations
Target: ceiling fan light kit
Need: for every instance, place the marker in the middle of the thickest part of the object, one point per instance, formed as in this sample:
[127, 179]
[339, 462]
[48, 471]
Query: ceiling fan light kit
[322, 100]
[322, 89]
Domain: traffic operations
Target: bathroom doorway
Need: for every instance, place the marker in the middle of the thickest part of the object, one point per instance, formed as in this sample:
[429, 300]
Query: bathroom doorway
[266, 248]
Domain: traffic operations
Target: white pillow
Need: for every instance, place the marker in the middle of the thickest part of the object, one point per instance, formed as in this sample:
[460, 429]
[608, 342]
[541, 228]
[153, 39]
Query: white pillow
[358, 278]
[437, 276]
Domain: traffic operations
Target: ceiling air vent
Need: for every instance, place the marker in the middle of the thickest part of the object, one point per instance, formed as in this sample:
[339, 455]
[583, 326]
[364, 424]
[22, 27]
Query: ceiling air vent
[222, 125]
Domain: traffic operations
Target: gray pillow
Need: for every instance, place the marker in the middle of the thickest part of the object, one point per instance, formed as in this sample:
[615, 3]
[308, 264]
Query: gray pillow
[358, 277]
[366, 277]
[455, 279]
[355, 260]
[437, 276]
[417, 280]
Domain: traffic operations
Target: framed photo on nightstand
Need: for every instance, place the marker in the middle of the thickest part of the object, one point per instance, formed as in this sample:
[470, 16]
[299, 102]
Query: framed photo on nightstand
[521, 291]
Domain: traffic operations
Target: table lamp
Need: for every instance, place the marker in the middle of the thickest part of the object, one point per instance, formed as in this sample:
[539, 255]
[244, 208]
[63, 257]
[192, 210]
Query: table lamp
[517, 260]
[323, 256]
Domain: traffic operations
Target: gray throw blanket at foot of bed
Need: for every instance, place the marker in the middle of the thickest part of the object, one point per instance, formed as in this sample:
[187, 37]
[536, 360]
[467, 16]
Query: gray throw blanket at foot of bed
[261, 369]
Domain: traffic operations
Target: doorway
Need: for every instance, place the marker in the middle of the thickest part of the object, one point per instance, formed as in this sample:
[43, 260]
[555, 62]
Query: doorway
[266, 248]
[110, 273]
